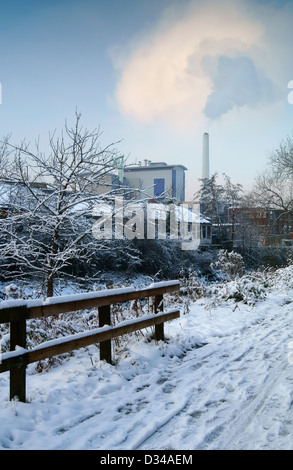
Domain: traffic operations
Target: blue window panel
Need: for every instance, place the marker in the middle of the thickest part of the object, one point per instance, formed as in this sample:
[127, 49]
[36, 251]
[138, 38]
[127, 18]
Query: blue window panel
[159, 186]
[174, 192]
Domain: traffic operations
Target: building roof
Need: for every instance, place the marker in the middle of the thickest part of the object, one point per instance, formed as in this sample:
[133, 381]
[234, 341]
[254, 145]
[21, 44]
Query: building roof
[153, 166]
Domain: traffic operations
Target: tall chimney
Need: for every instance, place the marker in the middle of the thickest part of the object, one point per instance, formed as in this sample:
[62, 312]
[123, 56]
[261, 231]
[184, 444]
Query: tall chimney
[205, 157]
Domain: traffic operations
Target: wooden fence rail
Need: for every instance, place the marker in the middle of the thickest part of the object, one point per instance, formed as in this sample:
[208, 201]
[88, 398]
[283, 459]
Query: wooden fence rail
[18, 312]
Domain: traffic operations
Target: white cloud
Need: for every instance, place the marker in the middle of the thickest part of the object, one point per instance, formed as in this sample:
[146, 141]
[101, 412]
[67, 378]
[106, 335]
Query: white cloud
[187, 67]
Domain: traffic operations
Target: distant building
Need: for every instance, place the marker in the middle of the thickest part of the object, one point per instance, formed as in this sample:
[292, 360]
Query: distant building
[105, 184]
[157, 180]
[273, 226]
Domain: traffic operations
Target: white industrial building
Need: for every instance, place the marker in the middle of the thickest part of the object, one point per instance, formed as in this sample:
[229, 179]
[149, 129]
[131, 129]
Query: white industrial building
[157, 180]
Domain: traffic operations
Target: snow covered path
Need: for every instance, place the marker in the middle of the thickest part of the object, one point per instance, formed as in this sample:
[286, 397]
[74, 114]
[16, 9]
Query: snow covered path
[241, 395]
[234, 392]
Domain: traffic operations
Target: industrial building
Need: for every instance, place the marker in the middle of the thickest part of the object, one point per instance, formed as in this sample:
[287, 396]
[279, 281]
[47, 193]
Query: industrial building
[156, 180]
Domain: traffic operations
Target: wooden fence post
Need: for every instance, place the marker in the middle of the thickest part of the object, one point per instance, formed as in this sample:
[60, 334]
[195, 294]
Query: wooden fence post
[17, 373]
[105, 346]
[159, 329]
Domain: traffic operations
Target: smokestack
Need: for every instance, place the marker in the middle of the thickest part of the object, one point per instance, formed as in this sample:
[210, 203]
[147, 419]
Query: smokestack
[205, 157]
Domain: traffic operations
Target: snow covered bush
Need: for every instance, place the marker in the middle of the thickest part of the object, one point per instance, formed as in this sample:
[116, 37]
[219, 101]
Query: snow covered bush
[191, 289]
[246, 289]
[239, 287]
[229, 263]
[284, 277]
[12, 291]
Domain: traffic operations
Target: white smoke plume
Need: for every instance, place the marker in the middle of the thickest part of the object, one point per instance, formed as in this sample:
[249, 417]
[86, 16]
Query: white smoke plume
[195, 64]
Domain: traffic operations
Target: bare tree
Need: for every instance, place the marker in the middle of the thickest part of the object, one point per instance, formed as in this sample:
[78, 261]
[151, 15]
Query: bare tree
[48, 222]
[274, 190]
[4, 161]
[281, 159]
[274, 186]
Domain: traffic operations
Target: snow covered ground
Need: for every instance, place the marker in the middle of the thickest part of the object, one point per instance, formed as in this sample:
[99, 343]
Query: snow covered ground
[222, 380]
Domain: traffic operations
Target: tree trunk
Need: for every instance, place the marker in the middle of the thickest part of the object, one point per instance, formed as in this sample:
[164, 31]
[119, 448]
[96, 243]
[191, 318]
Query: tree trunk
[50, 285]
[50, 274]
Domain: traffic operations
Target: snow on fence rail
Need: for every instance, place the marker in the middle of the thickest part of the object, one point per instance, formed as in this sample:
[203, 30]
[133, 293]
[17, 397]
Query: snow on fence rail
[17, 312]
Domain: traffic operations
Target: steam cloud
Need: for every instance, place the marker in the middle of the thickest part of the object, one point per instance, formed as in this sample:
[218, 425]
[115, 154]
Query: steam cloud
[201, 64]
[237, 83]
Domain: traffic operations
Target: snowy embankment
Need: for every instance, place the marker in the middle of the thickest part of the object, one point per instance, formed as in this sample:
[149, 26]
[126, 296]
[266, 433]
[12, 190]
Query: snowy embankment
[222, 380]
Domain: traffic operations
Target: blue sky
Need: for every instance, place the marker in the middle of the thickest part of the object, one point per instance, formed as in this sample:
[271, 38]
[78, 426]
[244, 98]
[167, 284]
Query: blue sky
[154, 76]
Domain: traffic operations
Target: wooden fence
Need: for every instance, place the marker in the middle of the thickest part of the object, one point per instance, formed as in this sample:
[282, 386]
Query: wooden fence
[18, 312]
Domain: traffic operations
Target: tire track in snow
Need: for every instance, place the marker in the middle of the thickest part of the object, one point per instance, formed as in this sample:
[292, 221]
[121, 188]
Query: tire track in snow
[229, 438]
[217, 422]
[194, 392]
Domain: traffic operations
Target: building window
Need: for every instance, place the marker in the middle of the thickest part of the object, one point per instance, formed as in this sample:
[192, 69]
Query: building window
[159, 187]
[174, 192]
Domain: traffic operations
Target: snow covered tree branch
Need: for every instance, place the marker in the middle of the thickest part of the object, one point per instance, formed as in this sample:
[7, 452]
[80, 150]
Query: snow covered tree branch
[47, 225]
